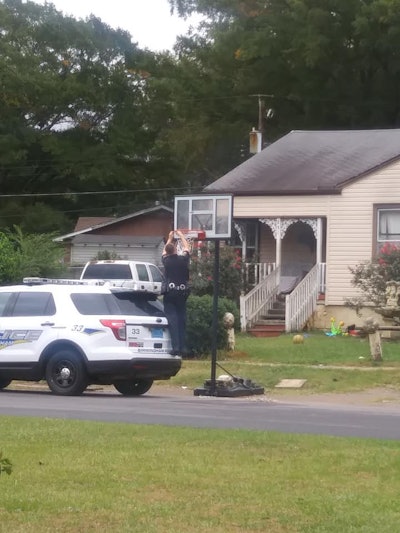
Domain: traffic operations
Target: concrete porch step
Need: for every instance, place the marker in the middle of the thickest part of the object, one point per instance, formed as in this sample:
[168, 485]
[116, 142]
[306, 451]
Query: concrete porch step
[268, 328]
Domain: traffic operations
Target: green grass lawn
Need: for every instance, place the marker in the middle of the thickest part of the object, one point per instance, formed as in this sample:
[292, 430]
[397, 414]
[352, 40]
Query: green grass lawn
[317, 349]
[71, 476]
[83, 477]
[329, 364]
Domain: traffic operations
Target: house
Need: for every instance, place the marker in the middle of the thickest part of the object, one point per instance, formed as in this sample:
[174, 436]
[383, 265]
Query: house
[138, 236]
[314, 203]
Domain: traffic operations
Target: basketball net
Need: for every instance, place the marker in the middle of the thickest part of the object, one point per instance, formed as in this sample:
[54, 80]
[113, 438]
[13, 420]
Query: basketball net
[190, 236]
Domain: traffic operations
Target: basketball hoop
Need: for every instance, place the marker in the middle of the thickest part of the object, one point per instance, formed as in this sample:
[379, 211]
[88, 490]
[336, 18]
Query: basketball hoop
[190, 235]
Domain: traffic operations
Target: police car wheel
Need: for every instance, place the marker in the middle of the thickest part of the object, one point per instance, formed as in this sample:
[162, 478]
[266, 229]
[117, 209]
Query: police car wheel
[4, 382]
[133, 387]
[65, 373]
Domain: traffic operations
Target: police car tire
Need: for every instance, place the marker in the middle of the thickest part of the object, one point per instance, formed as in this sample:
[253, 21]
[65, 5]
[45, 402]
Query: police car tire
[4, 382]
[71, 363]
[133, 387]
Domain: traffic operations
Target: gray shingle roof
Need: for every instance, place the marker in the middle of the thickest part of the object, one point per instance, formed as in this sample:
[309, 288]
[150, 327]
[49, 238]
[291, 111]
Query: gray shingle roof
[311, 162]
[108, 221]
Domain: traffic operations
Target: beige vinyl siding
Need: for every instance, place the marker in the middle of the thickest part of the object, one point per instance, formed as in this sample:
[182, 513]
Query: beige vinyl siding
[349, 215]
[82, 253]
[350, 227]
[280, 206]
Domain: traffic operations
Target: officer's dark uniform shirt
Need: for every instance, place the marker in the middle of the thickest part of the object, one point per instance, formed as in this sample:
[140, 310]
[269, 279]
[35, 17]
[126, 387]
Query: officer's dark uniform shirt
[176, 268]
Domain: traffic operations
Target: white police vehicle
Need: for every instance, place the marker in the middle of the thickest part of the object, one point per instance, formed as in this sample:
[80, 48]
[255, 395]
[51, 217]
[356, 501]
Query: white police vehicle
[74, 333]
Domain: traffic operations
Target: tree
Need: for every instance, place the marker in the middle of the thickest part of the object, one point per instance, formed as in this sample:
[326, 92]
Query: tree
[86, 113]
[323, 63]
[8, 260]
[28, 255]
[230, 273]
[74, 114]
[370, 277]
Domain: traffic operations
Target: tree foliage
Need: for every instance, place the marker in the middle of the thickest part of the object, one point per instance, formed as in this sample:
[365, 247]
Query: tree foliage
[85, 111]
[202, 279]
[74, 114]
[370, 277]
[323, 63]
[28, 255]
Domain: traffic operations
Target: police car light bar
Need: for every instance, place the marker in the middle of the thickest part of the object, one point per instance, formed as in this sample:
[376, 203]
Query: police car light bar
[60, 281]
[114, 286]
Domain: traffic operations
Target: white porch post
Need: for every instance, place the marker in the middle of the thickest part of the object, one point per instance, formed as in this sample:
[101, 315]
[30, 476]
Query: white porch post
[319, 240]
[278, 244]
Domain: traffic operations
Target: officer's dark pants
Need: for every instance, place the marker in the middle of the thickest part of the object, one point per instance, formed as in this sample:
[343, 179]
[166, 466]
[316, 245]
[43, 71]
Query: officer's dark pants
[175, 311]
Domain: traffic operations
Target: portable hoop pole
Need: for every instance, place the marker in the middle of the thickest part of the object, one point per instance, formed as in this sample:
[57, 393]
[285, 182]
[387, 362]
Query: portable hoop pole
[215, 320]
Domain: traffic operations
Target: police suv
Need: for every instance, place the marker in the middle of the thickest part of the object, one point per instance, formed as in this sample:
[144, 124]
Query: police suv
[74, 333]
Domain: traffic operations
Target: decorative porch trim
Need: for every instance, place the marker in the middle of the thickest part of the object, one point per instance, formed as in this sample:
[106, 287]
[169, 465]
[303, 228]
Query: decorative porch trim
[279, 226]
[241, 230]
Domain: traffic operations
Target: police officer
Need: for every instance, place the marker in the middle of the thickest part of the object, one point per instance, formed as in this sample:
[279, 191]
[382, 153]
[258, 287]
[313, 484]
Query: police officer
[177, 277]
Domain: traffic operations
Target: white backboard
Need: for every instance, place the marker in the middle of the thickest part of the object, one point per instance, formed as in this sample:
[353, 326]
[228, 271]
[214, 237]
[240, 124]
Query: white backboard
[211, 213]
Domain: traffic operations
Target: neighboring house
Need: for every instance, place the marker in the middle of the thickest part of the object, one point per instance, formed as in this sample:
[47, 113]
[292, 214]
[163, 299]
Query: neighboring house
[139, 236]
[315, 203]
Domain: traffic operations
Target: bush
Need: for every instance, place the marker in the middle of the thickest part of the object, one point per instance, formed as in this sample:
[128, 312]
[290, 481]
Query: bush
[28, 255]
[370, 277]
[199, 324]
[8, 260]
[230, 273]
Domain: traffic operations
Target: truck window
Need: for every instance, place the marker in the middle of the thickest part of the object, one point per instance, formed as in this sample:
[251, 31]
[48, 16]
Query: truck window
[143, 274]
[156, 273]
[107, 271]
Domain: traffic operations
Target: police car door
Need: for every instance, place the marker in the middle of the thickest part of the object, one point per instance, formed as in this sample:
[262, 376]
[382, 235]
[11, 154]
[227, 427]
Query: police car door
[25, 325]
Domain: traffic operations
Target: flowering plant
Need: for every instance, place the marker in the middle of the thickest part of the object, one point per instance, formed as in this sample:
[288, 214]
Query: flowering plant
[370, 277]
[230, 272]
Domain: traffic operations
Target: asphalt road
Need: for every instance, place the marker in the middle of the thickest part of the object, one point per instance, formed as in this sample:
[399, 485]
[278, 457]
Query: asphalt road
[253, 413]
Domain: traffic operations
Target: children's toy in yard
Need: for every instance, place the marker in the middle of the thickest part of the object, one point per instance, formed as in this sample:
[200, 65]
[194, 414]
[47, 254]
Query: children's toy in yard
[335, 329]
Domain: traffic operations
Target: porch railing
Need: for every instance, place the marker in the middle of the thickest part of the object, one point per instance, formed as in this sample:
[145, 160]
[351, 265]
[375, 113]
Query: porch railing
[302, 301]
[253, 273]
[259, 300]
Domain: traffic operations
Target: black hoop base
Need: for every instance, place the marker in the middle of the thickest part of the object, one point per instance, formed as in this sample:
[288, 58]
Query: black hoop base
[238, 387]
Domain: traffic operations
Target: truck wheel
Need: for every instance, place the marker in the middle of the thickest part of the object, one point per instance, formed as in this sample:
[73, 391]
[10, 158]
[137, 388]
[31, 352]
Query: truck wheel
[133, 387]
[4, 382]
[66, 374]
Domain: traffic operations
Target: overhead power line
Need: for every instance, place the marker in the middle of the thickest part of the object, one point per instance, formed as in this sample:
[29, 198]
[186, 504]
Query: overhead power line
[70, 193]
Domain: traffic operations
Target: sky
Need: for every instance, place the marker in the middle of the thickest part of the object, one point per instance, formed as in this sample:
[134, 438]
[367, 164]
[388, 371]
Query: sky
[148, 21]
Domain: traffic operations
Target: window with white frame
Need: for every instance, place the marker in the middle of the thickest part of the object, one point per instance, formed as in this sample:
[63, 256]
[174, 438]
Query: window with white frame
[388, 224]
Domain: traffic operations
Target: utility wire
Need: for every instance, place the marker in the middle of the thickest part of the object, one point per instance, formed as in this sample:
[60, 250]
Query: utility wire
[86, 193]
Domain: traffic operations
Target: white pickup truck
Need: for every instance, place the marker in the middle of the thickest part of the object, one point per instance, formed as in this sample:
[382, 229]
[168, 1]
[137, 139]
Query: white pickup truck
[136, 275]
